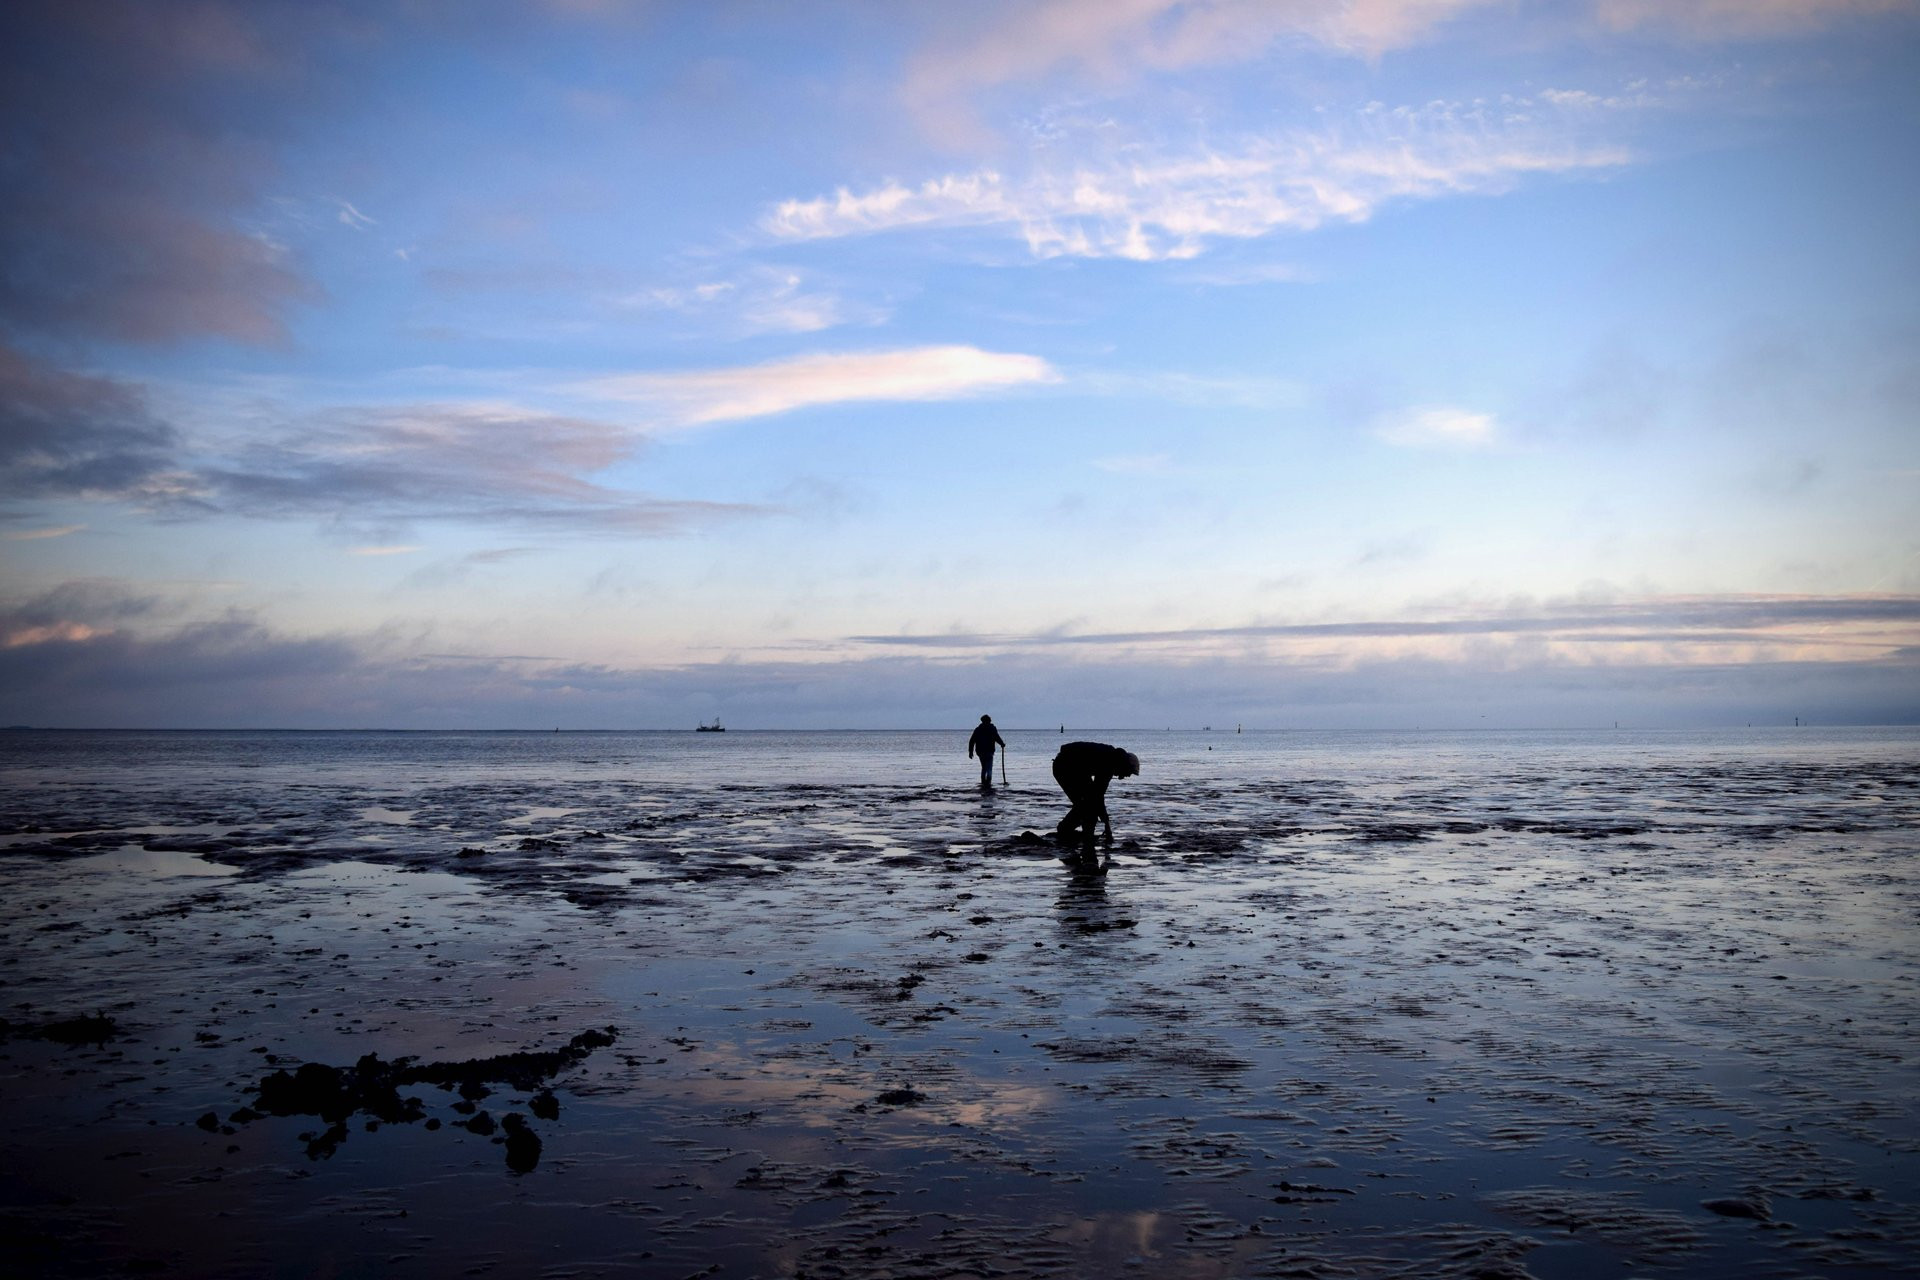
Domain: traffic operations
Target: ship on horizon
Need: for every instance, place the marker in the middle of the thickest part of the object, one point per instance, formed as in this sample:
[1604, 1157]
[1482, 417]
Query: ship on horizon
[715, 727]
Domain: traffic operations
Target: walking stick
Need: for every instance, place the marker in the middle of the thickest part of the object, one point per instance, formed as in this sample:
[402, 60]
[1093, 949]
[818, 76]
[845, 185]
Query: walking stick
[1003, 764]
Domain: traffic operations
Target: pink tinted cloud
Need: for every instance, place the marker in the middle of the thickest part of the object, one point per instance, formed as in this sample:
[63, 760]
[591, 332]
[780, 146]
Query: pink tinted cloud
[1738, 19]
[1115, 41]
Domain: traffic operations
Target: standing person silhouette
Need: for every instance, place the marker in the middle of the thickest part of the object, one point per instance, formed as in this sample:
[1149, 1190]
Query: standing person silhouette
[1083, 770]
[985, 738]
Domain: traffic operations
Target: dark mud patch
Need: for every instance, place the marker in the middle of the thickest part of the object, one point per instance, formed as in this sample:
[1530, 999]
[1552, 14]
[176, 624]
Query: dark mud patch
[372, 1086]
[1618, 1220]
[1754, 1207]
[93, 1029]
[1390, 833]
[1030, 843]
[1200, 843]
[525, 1070]
[1159, 1054]
[1576, 830]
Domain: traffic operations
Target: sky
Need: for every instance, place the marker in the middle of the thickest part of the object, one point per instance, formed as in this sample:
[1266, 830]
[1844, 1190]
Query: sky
[1300, 364]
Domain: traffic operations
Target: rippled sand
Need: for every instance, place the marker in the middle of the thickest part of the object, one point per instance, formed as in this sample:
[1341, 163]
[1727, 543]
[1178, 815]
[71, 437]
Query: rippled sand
[1655, 1017]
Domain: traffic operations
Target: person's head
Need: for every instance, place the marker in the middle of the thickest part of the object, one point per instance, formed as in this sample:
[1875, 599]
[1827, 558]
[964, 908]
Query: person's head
[1133, 765]
[986, 719]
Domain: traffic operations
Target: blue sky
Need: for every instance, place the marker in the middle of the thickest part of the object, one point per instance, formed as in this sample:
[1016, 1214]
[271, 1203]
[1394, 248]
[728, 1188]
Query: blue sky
[1295, 363]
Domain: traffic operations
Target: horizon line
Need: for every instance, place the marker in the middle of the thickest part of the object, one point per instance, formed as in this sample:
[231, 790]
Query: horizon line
[1238, 730]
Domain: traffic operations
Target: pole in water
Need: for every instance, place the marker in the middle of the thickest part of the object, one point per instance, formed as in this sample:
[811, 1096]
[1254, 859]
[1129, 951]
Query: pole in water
[1003, 764]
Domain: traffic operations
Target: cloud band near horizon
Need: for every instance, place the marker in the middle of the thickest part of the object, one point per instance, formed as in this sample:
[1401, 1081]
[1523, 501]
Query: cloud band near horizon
[232, 672]
[1716, 618]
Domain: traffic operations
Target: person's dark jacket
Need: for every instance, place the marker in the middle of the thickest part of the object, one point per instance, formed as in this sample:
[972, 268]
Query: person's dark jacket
[1097, 762]
[984, 740]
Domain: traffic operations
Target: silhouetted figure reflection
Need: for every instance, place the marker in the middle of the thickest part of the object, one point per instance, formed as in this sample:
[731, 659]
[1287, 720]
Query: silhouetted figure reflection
[1083, 770]
[985, 738]
[1083, 899]
[1084, 911]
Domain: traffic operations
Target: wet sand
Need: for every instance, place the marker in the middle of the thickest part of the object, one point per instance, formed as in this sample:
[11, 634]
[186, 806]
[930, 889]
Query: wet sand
[1562, 1023]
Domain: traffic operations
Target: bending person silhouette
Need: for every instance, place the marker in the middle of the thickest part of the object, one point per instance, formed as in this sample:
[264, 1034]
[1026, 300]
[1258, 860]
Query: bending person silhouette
[1083, 770]
[985, 738]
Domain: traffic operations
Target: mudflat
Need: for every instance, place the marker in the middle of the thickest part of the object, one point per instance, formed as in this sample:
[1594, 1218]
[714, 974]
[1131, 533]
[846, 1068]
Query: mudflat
[1473, 1008]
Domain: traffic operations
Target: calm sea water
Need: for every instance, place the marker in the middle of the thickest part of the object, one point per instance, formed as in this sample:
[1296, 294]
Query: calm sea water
[388, 759]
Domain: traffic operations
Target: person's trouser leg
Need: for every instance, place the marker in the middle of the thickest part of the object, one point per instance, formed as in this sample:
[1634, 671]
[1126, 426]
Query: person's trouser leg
[1066, 781]
[1088, 806]
[1085, 799]
[986, 768]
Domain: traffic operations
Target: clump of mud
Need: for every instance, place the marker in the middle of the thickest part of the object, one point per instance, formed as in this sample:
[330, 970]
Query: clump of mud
[372, 1085]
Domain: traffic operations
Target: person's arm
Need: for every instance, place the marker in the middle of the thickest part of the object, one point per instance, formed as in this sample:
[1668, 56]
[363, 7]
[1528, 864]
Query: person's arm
[1102, 782]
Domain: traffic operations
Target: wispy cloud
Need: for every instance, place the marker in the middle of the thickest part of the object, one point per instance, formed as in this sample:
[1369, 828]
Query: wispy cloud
[36, 535]
[1115, 41]
[1172, 206]
[758, 300]
[1247, 391]
[1231, 277]
[1114, 44]
[700, 397]
[1740, 19]
[461, 569]
[1440, 428]
[487, 463]
[1137, 464]
[96, 604]
[1401, 549]
[57, 632]
[400, 549]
